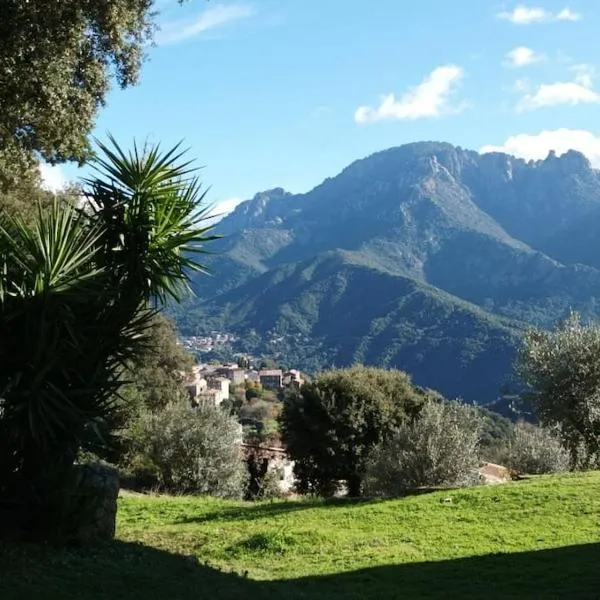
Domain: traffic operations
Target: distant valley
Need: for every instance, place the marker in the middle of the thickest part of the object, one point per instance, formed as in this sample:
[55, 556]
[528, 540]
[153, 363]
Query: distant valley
[425, 257]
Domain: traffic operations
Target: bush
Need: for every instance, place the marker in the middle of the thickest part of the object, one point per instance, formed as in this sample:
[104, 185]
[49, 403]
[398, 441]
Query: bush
[437, 448]
[189, 451]
[535, 450]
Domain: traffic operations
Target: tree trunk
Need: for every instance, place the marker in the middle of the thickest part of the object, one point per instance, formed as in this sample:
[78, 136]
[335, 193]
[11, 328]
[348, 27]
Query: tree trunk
[354, 486]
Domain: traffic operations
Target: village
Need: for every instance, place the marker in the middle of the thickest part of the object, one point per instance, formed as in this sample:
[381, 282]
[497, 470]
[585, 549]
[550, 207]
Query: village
[210, 385]
[206, 343]
[254, 396]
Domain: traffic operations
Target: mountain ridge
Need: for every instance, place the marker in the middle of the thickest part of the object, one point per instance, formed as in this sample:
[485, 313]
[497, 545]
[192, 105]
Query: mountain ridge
[480, 234]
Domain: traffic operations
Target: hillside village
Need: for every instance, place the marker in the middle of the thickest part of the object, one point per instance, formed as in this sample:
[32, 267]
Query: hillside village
[207, 343]
[210, 385]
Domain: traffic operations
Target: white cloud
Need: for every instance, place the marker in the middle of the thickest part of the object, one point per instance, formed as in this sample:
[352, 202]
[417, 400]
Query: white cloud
[223, 208]
[213, 17]
[578, 91]
[525, 15]
[536, 147]
[431, 98]
[523, 56]
[566, 14]
[53, 178]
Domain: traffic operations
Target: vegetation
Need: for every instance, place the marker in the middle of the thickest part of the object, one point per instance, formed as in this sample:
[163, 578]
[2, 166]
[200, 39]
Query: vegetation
[439, 447]
[74, 292]
[332, 424]
[529, 539]
[184, 451]
[535, 450]
[57, 61]
[314, 317]
[157, 376]
[562, 371]
[259, 417]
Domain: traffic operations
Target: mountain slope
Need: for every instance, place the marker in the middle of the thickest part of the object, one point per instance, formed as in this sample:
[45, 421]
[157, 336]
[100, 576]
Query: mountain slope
[417, 256]
[361, 314]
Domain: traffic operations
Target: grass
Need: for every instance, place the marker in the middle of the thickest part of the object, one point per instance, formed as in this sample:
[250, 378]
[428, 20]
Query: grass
[531, 539]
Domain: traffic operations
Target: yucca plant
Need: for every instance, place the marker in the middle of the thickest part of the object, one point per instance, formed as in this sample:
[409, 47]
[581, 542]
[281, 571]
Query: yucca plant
[77, 290]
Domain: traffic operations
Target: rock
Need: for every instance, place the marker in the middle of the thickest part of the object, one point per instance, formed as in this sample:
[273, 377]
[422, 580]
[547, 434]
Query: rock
[492, 474]
[95, 492]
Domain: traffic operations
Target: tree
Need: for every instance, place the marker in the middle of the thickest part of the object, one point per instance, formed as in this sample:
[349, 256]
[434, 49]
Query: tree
[534, 450]
[562, 371]
[268, 363]
[57, 60]
[78, 292]
[243, 362]
[190, 451]
[331, 425]
[157, 376]
[437, 448]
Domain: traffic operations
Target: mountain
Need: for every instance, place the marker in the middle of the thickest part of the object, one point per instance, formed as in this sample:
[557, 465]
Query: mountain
[426, 257]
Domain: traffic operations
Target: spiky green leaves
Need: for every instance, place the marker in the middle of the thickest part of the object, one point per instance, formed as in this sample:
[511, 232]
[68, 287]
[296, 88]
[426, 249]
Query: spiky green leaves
[152, 207]
[74, 291]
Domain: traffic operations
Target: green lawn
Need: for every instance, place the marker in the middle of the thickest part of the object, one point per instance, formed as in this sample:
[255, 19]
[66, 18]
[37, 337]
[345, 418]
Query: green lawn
[531, 539]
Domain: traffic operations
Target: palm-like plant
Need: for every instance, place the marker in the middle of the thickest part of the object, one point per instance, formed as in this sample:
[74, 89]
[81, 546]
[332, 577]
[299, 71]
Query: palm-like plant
[77, 290]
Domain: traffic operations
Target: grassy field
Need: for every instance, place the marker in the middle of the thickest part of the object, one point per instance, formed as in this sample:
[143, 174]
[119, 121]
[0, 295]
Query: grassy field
[531, 539]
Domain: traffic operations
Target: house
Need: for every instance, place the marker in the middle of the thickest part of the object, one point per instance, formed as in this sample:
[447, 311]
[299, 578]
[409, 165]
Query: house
[269, 459]
[292, 378]
[196, 386]
[220, 385]
[195, 383]
[236, 375]
[208, 399]
[271, 379]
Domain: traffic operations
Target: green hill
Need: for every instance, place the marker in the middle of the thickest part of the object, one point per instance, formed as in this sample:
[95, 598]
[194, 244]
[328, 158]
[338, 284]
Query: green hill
[358, 313]
[530, 539]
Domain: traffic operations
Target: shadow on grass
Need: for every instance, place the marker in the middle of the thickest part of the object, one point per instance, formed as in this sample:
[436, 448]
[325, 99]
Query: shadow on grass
[122, 570]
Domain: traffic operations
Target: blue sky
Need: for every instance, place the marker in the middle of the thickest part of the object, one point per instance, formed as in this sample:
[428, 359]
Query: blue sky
[271, 93]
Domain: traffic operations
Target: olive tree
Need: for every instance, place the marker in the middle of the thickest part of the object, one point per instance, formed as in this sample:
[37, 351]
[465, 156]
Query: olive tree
[439, 447]
[561, 369]
[185, 450]
[534, 450]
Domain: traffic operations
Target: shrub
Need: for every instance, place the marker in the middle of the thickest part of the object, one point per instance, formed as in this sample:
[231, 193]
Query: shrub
[437, 448]
[189, 451]
[536, 450]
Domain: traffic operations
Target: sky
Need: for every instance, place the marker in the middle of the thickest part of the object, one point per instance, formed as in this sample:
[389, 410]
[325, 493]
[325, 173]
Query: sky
[284, 93]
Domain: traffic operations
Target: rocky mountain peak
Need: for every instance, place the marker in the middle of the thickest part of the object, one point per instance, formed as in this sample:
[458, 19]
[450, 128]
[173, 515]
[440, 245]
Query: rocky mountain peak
[257, 212]
[571, 161]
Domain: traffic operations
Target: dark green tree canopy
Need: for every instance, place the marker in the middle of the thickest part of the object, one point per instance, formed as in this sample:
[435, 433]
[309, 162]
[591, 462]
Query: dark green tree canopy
[57, 60]
[157, 376]
[331, 425]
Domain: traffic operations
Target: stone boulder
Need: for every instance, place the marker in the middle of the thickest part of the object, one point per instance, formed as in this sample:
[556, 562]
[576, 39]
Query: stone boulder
[94, 492]
[491, 473]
